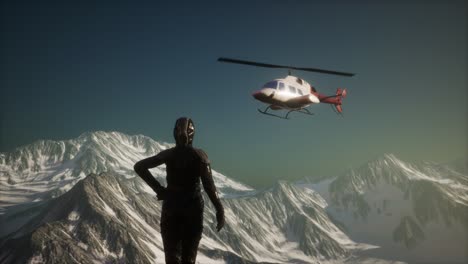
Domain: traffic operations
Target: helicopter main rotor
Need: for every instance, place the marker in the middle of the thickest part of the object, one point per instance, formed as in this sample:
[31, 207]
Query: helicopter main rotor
[267, 65]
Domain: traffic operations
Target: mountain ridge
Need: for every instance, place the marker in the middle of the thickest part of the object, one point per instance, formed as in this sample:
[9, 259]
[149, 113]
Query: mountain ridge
[46, 168]
[289, 222]
[409, 209]
[114, 216]
[110, 218]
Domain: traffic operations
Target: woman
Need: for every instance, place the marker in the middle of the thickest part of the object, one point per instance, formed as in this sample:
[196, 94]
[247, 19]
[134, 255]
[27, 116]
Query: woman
[182, 210]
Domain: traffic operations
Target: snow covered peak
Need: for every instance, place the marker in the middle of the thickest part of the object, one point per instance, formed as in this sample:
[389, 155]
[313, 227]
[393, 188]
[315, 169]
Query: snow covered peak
[48, 168]
[389, 157]
[394, 170]
[386, 160]
[412, 206]
[44, 153]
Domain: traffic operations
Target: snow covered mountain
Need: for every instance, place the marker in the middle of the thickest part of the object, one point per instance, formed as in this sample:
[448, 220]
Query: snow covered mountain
[414, 212]
[80, 201]
[47, 169]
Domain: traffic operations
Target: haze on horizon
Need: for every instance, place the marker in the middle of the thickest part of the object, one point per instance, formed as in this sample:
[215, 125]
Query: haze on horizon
[68, 68]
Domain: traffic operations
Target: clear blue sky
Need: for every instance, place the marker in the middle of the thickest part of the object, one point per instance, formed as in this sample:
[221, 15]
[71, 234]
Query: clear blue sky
[135, 67]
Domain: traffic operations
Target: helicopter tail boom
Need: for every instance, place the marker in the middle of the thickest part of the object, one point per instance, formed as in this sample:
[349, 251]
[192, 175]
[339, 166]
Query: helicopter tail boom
[335, 100]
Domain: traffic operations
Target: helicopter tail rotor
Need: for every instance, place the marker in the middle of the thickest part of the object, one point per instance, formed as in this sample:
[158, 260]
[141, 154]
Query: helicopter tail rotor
[340, 93]
[339, 109]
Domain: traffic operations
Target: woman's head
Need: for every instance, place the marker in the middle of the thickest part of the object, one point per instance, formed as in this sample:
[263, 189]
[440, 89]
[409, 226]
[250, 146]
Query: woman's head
[184, 130]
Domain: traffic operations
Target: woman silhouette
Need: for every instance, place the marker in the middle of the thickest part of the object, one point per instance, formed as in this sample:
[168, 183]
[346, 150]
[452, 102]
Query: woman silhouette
[182, 209]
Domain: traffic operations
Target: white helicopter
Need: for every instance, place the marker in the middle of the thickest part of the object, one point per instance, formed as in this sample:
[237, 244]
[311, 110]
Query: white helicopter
[293, 93]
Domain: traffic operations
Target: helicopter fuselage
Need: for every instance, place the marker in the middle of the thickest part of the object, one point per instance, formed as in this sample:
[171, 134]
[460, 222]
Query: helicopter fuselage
[290, 93]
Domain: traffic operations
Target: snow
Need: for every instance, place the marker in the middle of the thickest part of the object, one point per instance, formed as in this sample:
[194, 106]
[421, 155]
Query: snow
[36, 259]
[382, 184]
[104, 251]
[73, 215]
[49, 168]
[202, 259]
[82, 245]
[142, 225]
[120, 195]
[158, 256]
[109, 210]
[224, 182]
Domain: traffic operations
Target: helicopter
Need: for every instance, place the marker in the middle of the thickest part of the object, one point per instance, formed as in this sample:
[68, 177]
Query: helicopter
[293, 93]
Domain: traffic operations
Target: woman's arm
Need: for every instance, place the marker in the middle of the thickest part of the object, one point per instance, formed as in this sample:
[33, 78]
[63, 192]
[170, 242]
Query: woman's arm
[210, 189]
[142, 169]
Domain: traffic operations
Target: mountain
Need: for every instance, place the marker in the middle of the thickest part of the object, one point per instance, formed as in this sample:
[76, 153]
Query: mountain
[413, 212]
[47, 169]
[80, 201]
[108, 218]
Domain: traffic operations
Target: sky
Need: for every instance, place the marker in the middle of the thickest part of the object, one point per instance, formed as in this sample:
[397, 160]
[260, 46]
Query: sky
[69, 67]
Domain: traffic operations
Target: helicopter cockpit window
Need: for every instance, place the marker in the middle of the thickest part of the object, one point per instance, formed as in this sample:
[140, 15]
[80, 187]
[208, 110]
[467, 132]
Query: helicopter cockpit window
[300, 91]
[271, 84]
[281, 86]
[299, 81]
[292, 89]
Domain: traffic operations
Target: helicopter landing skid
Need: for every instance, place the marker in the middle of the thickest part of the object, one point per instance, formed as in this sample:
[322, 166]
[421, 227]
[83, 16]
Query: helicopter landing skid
[303, 110]
[266, 113]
